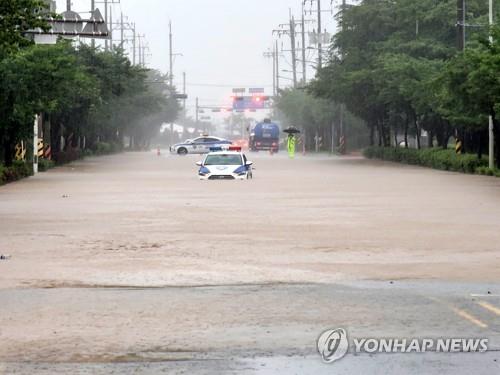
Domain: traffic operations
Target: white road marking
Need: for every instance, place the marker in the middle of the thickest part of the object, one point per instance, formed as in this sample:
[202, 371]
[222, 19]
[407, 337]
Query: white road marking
[489, 307]
[471, 318]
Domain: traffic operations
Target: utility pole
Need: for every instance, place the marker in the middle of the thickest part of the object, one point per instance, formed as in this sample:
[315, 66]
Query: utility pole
[304, 63]
[294, 56]
[171, 54]
[122, 30]
[68, 5]
[92, 6]
[171, 71]
[342, 106]
[108, 18]
[320, 45]
[491, 125]
[277, 68]
[461, 33]
[134, 38]
[106, 44]
[184, 92]
[111, 28]
[273, 56]
[140, 49]
[197, 111]
[35, 145]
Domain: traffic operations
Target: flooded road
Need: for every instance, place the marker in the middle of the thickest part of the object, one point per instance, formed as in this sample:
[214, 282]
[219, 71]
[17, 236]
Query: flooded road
[129, 264]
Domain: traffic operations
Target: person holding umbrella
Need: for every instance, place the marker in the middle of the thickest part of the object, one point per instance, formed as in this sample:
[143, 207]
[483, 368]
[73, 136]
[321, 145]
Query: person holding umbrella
[291, 140]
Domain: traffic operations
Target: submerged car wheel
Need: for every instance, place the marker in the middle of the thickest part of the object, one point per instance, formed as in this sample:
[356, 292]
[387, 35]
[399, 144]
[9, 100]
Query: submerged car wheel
[182, 151]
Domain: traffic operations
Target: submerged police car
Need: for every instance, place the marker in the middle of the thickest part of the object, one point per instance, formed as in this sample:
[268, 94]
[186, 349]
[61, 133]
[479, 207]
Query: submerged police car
[230, 164]
[200, 145]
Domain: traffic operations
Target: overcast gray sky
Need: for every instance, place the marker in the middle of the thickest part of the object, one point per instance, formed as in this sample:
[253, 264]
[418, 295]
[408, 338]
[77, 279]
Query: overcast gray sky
[222, 41]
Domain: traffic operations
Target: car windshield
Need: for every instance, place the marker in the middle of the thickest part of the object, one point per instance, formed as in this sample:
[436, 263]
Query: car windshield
[223, 160]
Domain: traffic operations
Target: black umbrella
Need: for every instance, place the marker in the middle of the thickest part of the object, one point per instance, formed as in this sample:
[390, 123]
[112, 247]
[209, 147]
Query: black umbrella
[291, 130]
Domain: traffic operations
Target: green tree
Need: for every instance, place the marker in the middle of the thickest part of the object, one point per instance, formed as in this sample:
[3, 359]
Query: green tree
[386, 65]
[16, 17]
[470, 89]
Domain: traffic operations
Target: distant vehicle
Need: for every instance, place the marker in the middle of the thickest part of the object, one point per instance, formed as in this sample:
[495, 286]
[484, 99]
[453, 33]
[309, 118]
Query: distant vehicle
[200, 145]
[265, 136]
[243, 143]
[225, 165]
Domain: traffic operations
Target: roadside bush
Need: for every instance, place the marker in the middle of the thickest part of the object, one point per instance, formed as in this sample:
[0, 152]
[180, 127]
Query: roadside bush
[116, 147]
[88, 153]
[102, 148]
[105, 148]
[2, 170]
[44, 165]
[486, 171]
[446, 160]
[67, 156]
[17, 171]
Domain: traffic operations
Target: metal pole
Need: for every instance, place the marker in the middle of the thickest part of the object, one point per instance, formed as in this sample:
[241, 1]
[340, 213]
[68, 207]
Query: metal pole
[106, 44]
[171, 54]
[464, 20]
[140, 50]
[491, 134]
[320, 45]
[304, 64]
[134, 38]
[461, 24]
[274, 70]
[184, 91]
[35, 145]
[111, 27]
[277, 69]
[92, 7]
[342, 106]
[122, 30]
[333, 138]
[294, 56]
[197, 110]
[68, 5]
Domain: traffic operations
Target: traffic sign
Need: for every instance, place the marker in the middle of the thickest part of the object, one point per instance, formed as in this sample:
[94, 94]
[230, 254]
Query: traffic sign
[180, 96]
[97, 28]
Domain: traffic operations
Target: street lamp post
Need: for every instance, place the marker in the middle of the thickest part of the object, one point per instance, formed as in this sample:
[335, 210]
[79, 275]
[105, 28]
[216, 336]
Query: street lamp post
[491, 153]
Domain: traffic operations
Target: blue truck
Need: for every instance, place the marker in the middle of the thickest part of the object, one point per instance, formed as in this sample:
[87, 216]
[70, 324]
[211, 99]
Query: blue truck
[265, 136]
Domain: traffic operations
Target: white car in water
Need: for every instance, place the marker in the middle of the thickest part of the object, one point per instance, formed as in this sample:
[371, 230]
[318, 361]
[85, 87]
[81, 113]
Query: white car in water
[225, 165]
[200, 145]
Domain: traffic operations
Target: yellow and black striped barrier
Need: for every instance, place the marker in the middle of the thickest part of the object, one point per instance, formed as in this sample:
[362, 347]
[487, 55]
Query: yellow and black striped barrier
[342, 145]
[458, 146]
[47, 154]
[20, 151]
[40, 152]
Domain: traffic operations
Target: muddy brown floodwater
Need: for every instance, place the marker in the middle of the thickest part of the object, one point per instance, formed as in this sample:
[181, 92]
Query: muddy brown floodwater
[128, 263]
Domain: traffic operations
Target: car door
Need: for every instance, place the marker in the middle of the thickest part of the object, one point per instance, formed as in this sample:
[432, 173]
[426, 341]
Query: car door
[198, 146]
[210, 143]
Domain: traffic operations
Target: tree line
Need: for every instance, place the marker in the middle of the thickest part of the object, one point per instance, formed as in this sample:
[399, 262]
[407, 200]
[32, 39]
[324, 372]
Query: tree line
[322, 121]
[85, 96]
[395, 65]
